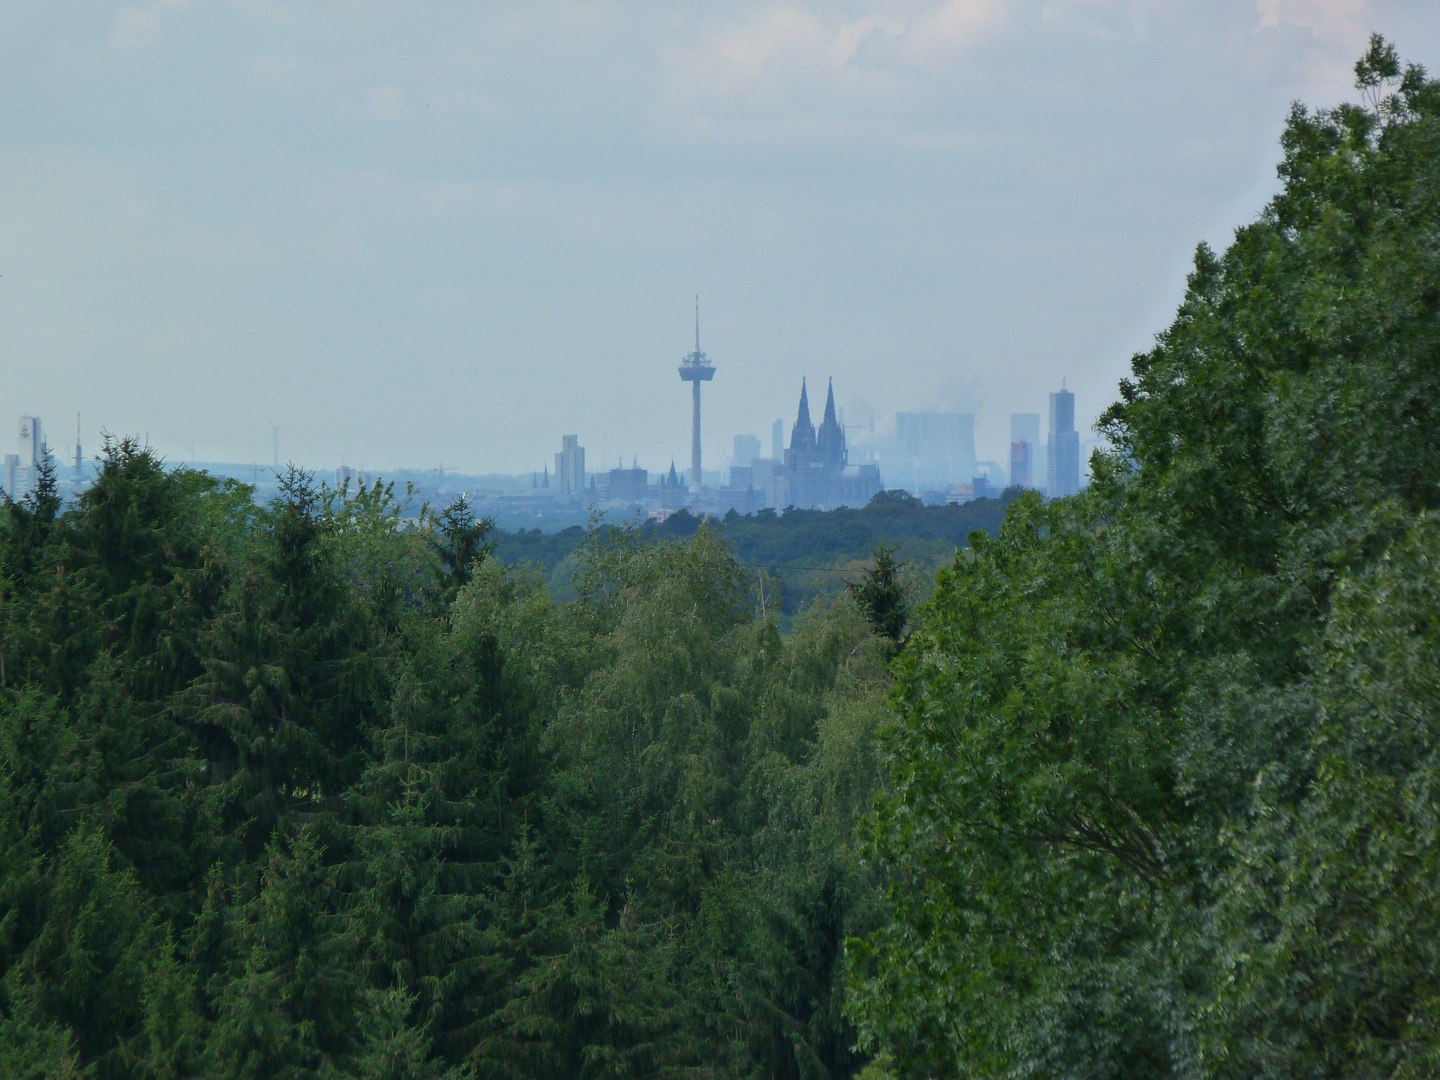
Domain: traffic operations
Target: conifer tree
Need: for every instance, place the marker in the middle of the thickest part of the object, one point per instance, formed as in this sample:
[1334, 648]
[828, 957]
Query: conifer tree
[881, 595]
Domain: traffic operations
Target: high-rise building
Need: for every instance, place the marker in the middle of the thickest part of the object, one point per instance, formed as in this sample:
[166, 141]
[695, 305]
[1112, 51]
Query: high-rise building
[777, 440]
[570, 466]
[1024, 448]
[1062, 455]
[941, 445]
[747, 449]
[22, 469]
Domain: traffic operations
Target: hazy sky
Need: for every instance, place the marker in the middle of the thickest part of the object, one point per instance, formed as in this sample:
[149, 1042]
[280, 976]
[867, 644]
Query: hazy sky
[425, 233]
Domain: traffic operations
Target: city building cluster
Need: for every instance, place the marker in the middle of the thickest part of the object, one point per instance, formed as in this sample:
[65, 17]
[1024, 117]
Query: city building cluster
[931, 454]
[21, 470]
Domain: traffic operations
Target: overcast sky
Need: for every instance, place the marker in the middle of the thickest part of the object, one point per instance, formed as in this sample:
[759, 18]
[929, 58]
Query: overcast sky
[416, 234]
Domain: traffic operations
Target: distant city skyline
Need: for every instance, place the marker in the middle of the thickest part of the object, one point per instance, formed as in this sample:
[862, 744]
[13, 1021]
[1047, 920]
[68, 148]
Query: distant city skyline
[446, 234]
[926, 436]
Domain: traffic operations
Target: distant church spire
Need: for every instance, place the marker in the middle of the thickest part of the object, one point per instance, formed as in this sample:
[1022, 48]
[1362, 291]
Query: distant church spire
[830, 439]
[802, 437]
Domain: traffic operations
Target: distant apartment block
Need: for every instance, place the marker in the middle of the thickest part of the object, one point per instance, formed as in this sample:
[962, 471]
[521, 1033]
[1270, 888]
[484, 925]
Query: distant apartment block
[754, 476]
[628, 485]
[352, 481]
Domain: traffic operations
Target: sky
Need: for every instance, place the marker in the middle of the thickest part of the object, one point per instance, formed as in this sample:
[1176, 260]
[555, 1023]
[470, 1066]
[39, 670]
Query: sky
[448, 234]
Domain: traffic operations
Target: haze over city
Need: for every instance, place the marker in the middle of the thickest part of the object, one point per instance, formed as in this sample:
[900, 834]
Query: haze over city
[414, 236]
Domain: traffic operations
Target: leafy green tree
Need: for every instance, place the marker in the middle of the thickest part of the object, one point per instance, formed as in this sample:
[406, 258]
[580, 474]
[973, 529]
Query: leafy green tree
[317, 790]
[1140, 763]
[31, 1050]
[1331, 910]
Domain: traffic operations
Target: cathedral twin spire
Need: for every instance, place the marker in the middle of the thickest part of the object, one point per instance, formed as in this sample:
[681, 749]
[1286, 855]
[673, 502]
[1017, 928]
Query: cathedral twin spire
[829, 439]
[802, 435]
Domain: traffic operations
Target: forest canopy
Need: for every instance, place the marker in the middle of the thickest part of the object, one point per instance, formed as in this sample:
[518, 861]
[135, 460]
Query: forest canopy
[1146, 788]
[1163, 775]
[301, 790]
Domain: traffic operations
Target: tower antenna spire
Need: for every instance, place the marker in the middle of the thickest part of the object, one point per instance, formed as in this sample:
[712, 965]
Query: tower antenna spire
[695, 369]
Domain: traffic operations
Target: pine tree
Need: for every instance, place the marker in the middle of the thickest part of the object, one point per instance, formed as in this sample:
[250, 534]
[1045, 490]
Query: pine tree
[881, 595]
[285, 1004]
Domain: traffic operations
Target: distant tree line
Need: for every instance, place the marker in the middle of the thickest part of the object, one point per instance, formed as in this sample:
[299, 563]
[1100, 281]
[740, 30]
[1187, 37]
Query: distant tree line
[801, 550]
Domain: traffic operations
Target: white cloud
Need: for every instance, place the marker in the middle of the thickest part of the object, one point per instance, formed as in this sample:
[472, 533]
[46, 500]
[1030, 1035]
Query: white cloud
[140, 26]
[1335, 21]
[770, 52]
[952, 27]
[387, 103]
[1339, 36]
[269, 10]
[787, 70]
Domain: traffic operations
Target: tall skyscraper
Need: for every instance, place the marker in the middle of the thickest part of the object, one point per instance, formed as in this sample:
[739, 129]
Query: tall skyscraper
[570, 466]
[777, 440]
[1024, 448]
[21, 470]
[1062, 457]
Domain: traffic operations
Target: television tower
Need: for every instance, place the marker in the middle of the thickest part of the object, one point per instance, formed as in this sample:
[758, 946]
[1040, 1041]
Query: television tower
[695, 369]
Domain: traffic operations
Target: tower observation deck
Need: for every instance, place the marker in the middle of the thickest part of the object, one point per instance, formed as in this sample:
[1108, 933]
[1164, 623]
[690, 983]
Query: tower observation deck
[695, 369]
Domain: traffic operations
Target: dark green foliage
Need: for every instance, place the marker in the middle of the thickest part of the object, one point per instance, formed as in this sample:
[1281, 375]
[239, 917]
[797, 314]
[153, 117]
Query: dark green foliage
[894, 499]
[311, 791]
[881, 595]
[459, 541]
[810, 554]
[1164, 766]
